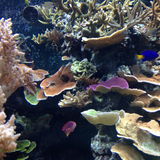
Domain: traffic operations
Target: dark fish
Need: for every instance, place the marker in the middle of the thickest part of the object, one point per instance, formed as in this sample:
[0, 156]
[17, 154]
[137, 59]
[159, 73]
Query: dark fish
[69, 127]
[148, 55]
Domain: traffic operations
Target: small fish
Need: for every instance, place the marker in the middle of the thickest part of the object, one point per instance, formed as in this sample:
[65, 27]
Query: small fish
[69, 127]
[27, 2]
[148, 55]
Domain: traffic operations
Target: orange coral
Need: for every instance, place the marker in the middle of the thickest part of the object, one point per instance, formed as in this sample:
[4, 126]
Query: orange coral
[63, 79]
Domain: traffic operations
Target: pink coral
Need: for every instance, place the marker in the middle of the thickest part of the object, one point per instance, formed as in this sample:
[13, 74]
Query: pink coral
[114, 82]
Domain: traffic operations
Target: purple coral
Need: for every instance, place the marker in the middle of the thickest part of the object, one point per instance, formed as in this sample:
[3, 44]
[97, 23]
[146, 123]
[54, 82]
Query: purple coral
[114, 82]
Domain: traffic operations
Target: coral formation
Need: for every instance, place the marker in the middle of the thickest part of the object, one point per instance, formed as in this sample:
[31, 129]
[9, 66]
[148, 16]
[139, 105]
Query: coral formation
[105, 118]
[62, 80]
[126, 151]
[116, 84]
[83, 69]
[144, 134]
[98, 39]
[80, 100]
[13, 75]
[8, 136]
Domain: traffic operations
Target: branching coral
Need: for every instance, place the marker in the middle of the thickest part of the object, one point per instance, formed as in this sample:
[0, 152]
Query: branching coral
[7, 136]
[54, 35]
[84, 68]
[80, 100]
[12, 76]
[120, 28]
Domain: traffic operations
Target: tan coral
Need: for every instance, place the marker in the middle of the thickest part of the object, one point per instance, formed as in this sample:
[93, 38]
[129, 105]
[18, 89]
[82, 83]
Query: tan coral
[149, 102]
[126, 152]
[101, 42]
[80, 100]
[138, 77]
[119, 29]
[146, 135]
[62, 80]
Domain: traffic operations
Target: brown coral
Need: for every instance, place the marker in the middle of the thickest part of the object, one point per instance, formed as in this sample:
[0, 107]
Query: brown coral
[148, 101]
[138, 77]
[126, 152]
[63, 79]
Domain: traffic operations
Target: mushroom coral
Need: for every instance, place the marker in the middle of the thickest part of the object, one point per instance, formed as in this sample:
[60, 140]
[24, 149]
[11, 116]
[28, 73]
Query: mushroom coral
[63, 79]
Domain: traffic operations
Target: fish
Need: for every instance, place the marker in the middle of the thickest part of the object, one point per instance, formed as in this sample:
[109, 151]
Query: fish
[69, 127]
[148, 55]
[27, 2]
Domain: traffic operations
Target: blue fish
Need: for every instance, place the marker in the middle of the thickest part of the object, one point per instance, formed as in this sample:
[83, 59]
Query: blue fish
[148, 55]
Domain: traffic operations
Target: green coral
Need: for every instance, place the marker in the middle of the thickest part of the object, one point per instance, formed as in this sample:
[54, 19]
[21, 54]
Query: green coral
[84, 68]
[24, 147]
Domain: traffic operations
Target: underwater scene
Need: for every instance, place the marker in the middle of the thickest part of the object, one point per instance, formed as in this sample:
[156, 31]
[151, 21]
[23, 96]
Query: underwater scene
[80, 80]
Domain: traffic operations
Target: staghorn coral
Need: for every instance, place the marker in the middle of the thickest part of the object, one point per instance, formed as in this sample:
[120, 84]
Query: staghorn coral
[80, 100]
[40, 39]
[118, 29]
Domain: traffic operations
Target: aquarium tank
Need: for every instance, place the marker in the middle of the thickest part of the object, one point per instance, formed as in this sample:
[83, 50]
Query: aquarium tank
[80, 80]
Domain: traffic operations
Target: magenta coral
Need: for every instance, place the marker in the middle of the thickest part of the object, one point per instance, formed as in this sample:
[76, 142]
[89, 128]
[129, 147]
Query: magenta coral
[114, 82]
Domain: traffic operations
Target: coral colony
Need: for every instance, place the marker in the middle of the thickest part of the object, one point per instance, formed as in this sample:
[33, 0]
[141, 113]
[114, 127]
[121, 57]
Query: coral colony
[104, 73]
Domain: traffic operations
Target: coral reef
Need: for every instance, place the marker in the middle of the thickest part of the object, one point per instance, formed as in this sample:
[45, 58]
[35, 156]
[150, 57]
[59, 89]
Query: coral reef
[120, 92]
